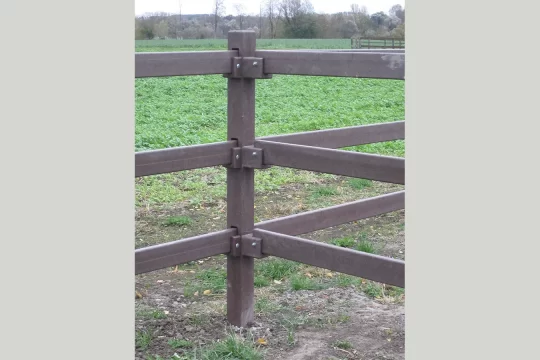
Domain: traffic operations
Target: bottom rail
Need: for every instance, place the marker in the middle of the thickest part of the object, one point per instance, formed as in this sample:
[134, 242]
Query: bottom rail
[368, 266]
[173, 253]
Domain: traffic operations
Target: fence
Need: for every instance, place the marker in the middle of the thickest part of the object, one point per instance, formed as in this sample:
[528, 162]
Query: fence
[242, 153]
[377, 43]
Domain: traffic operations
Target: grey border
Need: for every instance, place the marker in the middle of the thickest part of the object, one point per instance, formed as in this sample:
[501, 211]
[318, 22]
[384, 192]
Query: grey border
[471, 220]
[470, 103]
[67, 113]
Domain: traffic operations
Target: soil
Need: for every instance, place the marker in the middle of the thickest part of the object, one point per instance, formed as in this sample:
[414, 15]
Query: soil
[298, 324]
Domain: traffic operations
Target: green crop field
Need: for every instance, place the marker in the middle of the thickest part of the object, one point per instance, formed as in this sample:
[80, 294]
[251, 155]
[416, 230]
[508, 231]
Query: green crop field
[221, 44]
[179, 111]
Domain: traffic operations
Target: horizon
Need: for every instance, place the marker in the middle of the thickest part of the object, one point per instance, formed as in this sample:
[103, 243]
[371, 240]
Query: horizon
[252, 7]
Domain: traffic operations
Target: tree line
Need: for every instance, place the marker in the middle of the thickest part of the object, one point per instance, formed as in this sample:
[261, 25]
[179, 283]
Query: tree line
[289, 19]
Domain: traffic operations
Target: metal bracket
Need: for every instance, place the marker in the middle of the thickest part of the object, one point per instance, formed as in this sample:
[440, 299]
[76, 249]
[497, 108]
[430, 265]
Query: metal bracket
[252, 246]
[248, 157]
[247, 68]
[246, 245]
[236, 245]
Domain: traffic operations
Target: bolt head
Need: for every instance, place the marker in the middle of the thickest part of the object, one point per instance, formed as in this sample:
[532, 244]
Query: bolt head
[254, 153]
[238, 66]
[255, 63]
[253, 244]
[237, 157]
[237, 245]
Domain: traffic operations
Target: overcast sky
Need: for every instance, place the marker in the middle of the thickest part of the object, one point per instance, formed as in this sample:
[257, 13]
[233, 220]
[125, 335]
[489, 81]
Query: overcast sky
[252, 6]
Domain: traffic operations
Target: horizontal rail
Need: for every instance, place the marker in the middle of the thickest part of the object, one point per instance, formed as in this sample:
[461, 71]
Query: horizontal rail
[359, 50]
[321, 63]
[368, 266]
[343, 137]
[183, 158]
[173, 253]
[183, 63]
[335, 215]
[347, 163]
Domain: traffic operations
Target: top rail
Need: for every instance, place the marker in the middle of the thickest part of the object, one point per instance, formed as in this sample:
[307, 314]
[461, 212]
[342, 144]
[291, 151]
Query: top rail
[377, 65]
[386, 64]
[183, 63]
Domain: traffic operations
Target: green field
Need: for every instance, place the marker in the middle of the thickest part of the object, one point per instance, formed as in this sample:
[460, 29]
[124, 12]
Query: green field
[221, 44]
[179, 111]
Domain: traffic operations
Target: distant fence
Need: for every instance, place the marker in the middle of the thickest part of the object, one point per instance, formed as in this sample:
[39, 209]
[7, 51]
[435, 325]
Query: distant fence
[377, 43]
[242, 153]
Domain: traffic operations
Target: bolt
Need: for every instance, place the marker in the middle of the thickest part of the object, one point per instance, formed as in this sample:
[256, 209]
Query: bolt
[238, 66]
[254, 63]
[253, 244]
[254, 153]
[237, 157]
[237, 245]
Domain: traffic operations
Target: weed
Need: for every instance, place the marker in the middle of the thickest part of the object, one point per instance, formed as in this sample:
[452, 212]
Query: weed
[214, 280]
[151, 314]
[177, 221]
[276, 269]
[365, 246]
[343, 280]
[372, 289]
[322, 191]
[233, 347]
[180, 343]
[299, 282]
[143, 339]
[343, 242]
[343, 344]
[261, 281]
[360, 184]
[264, 305]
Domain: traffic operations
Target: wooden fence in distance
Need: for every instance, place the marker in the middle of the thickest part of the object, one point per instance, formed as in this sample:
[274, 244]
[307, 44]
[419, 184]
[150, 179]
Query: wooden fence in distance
[242, 153]
[377, 43]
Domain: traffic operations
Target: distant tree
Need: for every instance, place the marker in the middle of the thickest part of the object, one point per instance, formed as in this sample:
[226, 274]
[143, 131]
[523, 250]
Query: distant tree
[272, 13]
[380, 19]
[299, 18]
[218, 10]
[143, 30]
[397, 11]
[161, 29]
[349, 28]
[240, 14]
[361, 18]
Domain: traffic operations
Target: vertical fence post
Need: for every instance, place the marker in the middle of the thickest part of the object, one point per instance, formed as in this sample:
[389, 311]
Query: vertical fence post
[240, 183]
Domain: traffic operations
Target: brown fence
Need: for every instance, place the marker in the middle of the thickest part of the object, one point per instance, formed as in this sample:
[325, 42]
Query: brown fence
[244, 240]
[377, 43]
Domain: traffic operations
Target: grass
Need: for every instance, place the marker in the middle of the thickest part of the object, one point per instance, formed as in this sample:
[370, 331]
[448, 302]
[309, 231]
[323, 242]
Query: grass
[233, 348]
[265, 305]
[221, 44]
[180, 343]
[365, 246]
[261, 281]
[360, 184]
[177, 221]
[213, 279]
[343, 242]
[178, 111]
[322, 191]
[143, 339]
[343, 344]
[300, 282]
[275, 269]
[151, 314]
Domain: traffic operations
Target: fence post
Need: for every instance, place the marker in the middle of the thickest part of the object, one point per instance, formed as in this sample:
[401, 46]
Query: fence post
[240, 183]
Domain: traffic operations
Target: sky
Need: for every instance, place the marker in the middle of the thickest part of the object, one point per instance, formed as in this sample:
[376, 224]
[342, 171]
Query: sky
[252, 6]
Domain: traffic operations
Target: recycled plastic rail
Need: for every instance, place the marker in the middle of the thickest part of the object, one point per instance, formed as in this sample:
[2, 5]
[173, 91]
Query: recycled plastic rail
[242, 153]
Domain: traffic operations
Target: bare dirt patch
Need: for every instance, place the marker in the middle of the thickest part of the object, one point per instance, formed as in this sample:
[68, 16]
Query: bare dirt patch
[343, 319]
